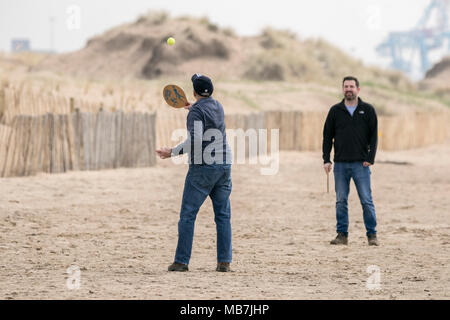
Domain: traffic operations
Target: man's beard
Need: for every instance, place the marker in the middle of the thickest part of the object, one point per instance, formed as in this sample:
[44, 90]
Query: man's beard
[350, 96]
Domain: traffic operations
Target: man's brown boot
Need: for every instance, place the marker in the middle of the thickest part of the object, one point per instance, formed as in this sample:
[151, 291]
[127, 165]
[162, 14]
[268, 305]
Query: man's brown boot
[341, 238]
[178, 267]
[372, 240]
[223, 267]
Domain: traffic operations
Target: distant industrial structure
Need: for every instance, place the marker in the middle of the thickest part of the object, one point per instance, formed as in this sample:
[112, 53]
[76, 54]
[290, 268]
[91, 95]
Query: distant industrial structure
[431, 33]
[24, 44]
[20, 45]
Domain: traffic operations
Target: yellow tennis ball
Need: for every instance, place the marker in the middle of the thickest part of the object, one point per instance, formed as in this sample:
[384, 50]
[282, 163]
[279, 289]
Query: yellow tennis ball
[170, 41]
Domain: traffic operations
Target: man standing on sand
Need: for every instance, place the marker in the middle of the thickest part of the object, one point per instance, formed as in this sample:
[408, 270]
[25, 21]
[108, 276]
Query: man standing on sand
[353, 125]
[209, 174]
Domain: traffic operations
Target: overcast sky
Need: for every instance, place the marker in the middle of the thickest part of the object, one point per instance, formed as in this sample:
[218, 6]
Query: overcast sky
[356, 26]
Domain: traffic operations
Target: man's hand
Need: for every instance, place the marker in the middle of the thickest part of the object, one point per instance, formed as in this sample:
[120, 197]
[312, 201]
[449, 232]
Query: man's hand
[164, 152]
[366, 164]
[187, 105]
[327, 167]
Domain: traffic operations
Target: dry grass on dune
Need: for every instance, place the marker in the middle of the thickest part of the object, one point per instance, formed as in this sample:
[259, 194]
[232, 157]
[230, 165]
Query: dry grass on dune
[437, 79]
[38, 93]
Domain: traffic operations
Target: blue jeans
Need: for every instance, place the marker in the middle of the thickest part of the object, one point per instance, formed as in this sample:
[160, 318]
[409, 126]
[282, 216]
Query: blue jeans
[343, 171]
[203, 181]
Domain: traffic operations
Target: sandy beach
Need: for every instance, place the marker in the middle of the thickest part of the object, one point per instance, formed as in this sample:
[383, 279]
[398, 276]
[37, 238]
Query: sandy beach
[119, 228]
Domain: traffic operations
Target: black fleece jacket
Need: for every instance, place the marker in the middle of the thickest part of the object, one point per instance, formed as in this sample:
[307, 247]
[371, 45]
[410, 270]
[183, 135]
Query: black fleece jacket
[355, 137]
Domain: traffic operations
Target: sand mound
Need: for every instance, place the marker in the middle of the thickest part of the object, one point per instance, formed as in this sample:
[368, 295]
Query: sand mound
[437, 79]
[139, 50]
[439, 69]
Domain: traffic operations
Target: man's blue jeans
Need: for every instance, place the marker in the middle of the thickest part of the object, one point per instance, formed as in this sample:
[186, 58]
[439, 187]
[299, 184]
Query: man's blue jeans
[343, 172]
[203, 181]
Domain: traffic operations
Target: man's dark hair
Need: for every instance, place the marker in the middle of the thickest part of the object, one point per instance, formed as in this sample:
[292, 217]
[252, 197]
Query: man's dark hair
[350, 78]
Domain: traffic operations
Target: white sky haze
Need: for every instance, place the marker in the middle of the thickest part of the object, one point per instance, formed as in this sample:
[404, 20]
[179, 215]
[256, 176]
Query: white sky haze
[356, 26]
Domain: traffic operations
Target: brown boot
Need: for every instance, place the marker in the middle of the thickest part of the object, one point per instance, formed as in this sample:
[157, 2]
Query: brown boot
[372, 240]
[341, 238]
[178, 267]
[223, 267]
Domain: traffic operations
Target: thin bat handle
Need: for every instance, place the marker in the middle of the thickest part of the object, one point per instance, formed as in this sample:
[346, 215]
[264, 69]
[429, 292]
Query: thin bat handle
[328, 182]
